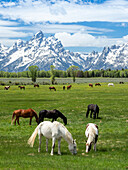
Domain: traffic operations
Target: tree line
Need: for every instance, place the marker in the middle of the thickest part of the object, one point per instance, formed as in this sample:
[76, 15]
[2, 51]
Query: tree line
[73, 71]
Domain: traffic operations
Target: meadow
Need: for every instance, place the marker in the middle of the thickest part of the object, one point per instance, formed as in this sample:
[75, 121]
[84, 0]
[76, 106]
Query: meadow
[112, 145]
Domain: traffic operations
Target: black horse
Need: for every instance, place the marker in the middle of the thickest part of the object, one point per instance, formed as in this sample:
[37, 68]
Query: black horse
[54, 114]
[94, 109]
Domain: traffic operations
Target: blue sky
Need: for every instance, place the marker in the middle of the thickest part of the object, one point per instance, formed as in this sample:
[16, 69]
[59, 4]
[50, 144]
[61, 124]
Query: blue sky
[80, 25]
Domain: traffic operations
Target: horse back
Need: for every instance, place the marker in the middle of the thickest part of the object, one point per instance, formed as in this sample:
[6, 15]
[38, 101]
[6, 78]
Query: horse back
[17, 112]
[91, 106]
[26, 113]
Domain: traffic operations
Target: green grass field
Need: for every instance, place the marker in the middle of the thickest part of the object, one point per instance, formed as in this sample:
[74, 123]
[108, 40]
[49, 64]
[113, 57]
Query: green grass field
[112, 145]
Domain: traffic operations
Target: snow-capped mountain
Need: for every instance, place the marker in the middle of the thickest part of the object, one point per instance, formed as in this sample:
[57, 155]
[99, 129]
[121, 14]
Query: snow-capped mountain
[44, 52]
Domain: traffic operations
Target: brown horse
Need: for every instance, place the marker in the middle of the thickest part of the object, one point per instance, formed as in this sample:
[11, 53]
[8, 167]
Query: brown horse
[36, 85]
[91, 85]
[25, 114]
[52, 88]
[21, 87]
[97, 84]
[68, 87]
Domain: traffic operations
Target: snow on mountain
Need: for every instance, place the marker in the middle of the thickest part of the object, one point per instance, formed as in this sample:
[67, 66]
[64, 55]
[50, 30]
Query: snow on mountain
[44, 52]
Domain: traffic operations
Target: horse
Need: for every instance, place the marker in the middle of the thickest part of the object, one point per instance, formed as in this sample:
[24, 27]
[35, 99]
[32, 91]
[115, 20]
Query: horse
[25, 114]
[6, 87]
[110, 84]
[36, 85]
[68, 87]
[91, 133]
[54, 131]
[54, 114]
[121, 82]
[52, 88]
[97, 84]
[63, 87]
[94, 108]
[22, 87]
[90, 84]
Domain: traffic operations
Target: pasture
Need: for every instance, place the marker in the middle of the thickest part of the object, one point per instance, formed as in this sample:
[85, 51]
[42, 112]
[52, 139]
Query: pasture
[112, 145]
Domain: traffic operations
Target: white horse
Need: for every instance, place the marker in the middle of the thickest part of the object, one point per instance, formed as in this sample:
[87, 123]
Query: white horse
[91, 133]
[55, 131]
[110, 84]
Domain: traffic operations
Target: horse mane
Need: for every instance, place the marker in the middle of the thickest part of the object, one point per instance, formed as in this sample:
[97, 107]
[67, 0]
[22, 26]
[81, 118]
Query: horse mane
[35, 113]
[92, 134]
[36, 116]
[62, 116]
[67, 136]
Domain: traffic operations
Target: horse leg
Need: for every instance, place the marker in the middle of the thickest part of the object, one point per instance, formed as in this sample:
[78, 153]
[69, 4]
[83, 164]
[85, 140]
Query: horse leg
[18, 120]
[46, 145]
[96, 138]
[59, 141]
[97, 115]
[40, 138]
[95, 147]
[91, 114]
[15, 122]
[30, 120]
[53, 145]
[94, 115]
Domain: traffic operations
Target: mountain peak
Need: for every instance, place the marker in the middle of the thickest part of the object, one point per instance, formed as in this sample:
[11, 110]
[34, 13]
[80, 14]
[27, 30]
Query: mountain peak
[43, 52]
[39, 35]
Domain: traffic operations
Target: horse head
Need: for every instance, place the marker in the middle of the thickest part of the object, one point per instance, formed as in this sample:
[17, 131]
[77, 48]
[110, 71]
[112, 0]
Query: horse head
[72, 147]
[65, 121]
[88, 146]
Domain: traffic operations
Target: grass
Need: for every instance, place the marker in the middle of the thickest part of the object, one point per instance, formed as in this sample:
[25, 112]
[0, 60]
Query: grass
[112, 145]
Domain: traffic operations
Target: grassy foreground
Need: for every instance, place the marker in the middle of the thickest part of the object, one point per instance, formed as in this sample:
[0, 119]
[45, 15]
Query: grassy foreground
[112, 146]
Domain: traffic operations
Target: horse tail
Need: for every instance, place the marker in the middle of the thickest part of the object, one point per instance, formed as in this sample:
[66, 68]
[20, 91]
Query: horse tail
[33, 136]
[13, 115]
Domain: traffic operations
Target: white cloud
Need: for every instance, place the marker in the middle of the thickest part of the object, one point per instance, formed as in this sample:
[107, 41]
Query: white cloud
[87, 40]
[39, 12]
[64, 11]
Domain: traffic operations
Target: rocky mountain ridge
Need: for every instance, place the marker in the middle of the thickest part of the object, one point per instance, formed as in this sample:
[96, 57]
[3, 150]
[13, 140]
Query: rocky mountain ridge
[44, 52]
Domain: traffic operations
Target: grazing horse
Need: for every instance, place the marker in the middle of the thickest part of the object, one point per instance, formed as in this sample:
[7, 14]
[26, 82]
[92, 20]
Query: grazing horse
[54, 131]
[36, 85]
[68, 87]
[25, 114]
[22, 87]
[91, 133]
[110, 84]
[90, 84]
[63, 87]
[52, 88]
[121, 82]
[97, 84]
[54, 114]
[94, 109]
[6, 87]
